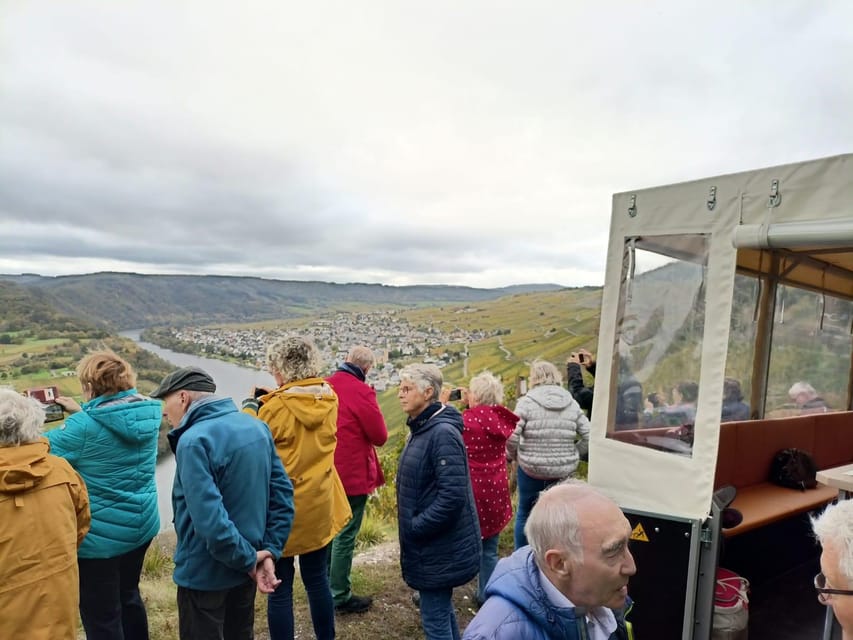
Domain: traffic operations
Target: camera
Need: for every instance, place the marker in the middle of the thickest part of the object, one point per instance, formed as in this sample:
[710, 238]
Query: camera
[455, 394]
[53, 412]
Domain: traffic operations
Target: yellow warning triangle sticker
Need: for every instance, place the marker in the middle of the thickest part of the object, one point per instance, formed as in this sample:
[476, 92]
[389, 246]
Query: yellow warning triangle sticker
[639, 533]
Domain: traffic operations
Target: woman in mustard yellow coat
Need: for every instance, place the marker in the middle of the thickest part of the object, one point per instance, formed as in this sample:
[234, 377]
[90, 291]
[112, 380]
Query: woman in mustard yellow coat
[44, 515]
[302, 415]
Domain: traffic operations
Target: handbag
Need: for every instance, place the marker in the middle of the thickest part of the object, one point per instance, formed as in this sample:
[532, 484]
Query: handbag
[731, 606]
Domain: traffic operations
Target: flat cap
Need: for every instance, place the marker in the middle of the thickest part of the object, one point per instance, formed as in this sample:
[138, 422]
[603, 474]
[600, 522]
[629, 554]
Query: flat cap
[186, 378]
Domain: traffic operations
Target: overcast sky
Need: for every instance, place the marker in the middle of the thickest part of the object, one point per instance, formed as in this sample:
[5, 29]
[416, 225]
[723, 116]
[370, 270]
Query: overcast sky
[465, 142]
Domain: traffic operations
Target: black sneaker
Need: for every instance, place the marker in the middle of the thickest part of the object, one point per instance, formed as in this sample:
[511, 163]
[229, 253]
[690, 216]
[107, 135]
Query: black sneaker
[356, 604]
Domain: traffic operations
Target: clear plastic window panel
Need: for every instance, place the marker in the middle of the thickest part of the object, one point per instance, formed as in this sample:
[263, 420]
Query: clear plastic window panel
[659, 342]
[743, 325]
[809, 354]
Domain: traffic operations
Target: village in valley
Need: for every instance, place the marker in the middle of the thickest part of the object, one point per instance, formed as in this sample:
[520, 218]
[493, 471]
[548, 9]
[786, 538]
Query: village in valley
[388, 333]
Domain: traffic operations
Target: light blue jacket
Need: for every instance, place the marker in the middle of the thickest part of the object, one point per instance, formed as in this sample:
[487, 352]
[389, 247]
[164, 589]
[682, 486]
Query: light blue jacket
[231, 495]
[112, 443]
[517, 607]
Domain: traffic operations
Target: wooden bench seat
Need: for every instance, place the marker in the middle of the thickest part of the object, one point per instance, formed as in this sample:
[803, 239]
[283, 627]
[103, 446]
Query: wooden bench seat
[746, 450]
[765, 503]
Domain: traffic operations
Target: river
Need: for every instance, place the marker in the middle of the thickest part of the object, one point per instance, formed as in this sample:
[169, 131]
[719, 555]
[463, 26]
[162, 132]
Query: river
[231, 380]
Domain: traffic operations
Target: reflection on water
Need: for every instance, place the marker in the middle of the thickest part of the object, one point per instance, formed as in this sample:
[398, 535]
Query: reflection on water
[231, 380]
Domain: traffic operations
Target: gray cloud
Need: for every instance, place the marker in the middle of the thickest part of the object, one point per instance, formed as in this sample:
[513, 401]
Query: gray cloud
[475, 144]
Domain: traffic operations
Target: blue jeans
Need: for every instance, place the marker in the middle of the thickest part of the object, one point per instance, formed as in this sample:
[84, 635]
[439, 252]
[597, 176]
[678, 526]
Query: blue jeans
[488, 560]
[312, 568]
[528, 493]
[438, 618]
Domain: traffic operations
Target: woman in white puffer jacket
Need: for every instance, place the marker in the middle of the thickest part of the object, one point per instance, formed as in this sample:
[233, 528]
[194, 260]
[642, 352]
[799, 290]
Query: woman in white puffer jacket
[547, 443]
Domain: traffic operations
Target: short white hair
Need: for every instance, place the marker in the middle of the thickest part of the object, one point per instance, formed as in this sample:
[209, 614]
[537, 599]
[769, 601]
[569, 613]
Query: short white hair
[835, 526]
[21, 419]
[543, 372]
[554, 523]
[423, 376]
[362, 357]
[801, 387]
[486, 388]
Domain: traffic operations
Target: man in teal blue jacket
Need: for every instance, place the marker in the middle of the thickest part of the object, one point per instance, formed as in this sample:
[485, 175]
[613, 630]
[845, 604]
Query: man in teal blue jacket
[233, 505]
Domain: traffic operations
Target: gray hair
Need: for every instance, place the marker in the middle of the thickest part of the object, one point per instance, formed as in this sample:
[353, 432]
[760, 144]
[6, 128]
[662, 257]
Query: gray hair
[835, 526]
[801, 387]
[486, 388]
[553, 522]
[423, 376]
[21, 419]
[362, 357]
[195, 396]
[294, 358]
[543, 372]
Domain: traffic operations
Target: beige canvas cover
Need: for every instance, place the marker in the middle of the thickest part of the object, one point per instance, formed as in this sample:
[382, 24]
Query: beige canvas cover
[801, 214]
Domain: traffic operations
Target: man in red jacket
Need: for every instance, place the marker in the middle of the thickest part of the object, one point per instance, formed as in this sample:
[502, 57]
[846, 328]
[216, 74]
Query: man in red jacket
[361, 427]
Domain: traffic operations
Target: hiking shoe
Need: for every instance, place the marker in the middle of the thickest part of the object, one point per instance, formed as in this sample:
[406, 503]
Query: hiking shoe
[356, 604]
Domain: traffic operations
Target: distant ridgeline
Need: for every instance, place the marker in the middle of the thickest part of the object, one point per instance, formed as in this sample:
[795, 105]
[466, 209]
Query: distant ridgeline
[130, 301]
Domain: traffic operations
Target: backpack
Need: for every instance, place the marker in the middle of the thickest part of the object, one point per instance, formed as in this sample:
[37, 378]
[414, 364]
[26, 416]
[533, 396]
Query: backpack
[793, 468]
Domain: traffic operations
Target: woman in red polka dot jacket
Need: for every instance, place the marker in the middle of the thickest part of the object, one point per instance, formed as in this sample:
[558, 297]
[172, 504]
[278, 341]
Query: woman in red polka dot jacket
[487, 425]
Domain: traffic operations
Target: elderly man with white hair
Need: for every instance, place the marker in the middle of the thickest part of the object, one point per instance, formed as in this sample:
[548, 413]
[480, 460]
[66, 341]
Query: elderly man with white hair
[361, 428]
[571, 582]
[44, 516]
[834, 583]
[806, 398]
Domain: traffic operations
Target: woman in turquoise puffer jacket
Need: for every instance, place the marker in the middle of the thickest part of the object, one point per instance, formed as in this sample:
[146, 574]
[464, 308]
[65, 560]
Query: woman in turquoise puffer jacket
[111, 441]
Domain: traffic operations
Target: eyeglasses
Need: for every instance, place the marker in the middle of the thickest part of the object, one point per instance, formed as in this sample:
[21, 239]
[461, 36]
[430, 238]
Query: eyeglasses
[405, 390]
[824, 594]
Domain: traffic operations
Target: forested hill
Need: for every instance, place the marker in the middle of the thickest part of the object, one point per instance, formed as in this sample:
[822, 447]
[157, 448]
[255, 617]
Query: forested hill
[128, 300]
[23, 309]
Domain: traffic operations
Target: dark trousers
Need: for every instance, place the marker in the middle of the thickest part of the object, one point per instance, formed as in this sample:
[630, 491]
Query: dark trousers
[312, 569]
[228, 614]
[110, 605]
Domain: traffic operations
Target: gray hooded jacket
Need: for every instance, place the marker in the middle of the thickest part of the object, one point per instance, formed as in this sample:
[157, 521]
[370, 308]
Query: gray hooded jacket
[551, 434]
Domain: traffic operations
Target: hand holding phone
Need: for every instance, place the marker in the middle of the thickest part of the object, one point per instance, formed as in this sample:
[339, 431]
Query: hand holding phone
[585, 357]
[455, 394]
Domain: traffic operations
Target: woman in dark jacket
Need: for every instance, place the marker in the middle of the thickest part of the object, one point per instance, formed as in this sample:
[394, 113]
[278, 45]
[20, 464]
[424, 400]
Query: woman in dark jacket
[437, 519]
